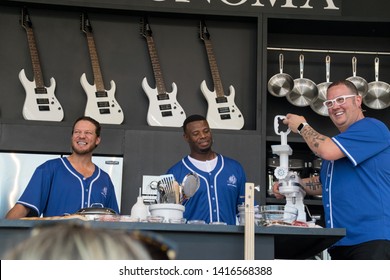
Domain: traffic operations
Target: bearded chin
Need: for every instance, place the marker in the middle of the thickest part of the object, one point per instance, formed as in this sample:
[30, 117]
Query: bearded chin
[205, 150]
[83, 152]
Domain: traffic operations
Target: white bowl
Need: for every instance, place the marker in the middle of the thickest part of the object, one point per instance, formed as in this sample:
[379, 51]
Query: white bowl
[167, 210]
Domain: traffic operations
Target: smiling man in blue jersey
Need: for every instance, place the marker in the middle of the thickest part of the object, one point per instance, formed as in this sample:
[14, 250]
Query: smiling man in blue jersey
[355, 174]
[222, 179]
[65, 185]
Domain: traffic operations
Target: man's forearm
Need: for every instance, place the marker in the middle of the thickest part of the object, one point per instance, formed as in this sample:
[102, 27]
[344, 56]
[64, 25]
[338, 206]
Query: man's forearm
[312, 185]
[313, 139]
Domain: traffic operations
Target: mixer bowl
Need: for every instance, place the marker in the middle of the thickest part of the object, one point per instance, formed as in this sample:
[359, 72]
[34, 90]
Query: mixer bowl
[167, 211]
[277, 214]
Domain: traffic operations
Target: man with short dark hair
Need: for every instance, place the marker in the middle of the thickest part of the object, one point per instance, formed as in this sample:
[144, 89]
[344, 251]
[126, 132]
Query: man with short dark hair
[222, 179]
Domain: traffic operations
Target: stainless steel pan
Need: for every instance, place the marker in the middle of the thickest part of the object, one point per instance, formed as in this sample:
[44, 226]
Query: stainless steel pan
[280, 84]
[360, 83]
[317, 105]
[305, 91]
[378, 94]
[95, 211]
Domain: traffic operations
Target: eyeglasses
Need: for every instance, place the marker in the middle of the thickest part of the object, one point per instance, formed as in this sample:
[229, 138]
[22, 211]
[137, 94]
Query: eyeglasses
[340, 100]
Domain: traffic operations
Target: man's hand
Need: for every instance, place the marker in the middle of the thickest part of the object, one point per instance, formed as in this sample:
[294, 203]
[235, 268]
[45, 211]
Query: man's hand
[275, 190]
[293, 121]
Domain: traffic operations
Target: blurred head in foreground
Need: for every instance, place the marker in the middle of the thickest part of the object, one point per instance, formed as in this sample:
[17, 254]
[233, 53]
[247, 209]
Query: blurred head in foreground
[74, 241]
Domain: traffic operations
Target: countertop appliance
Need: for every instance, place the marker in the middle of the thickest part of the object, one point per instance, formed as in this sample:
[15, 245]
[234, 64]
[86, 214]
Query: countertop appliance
[289, 181]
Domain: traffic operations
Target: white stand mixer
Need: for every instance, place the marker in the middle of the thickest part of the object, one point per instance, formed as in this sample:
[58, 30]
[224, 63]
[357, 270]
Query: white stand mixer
[289, 181]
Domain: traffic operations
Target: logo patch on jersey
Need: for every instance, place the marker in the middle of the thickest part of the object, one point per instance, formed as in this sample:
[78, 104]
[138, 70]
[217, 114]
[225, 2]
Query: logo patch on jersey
[232, 181]
[104, 192]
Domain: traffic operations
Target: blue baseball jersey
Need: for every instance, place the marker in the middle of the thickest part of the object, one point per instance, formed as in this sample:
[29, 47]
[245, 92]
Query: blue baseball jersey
[56, 188]
[220, 191]
[356, 188]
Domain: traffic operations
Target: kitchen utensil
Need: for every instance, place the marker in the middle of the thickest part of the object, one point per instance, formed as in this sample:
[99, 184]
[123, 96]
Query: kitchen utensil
[359, 82]
[95, 211]
[304, 90]
[378, 94]
[317, 105]
[190, 184]
[176, 189]
[165, 189]
[281, 84]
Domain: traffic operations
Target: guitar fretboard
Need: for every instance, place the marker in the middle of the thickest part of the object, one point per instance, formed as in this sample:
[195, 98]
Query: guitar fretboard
[35, 58]
[97, 73]
[214, 68]
[160, 85]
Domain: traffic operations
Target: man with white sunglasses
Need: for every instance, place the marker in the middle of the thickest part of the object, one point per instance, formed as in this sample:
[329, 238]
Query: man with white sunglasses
[355, 174]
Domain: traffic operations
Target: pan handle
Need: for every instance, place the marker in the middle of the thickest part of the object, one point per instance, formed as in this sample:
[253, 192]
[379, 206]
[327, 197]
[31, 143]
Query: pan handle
[301, 65]
[376, 69]
[354, 64]
[327, 62]
[281, 60]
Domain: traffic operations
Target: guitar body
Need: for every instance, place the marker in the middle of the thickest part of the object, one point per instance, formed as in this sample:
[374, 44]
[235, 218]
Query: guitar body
[102, 106]
[222, 112]
[40, 103]
[164, 111]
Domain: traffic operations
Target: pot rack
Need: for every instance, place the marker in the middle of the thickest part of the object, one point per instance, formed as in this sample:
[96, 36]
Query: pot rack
[327, 51]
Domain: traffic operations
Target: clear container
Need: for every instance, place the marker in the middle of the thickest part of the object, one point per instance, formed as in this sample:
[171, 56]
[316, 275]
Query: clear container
[278, 213]
[241, 213]
[196, 222]
[155, 219]
[177, 220]
[218, 223]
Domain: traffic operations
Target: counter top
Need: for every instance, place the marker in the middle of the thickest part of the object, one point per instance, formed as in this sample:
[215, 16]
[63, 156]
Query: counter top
[198, 241]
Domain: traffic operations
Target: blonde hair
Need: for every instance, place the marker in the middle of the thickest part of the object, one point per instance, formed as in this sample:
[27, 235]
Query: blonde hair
[68, 241]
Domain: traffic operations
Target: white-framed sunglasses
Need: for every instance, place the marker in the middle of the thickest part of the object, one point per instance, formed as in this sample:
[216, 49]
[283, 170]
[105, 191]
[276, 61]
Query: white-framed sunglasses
[340, 100]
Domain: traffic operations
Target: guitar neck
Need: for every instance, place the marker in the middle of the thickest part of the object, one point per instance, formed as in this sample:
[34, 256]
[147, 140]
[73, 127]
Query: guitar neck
[38, 77]
[97, 73]
[214, 68]
[156, 66]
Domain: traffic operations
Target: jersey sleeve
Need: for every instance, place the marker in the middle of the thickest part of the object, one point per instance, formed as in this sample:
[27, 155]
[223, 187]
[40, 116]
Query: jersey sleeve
[37, 191]
[363, 140]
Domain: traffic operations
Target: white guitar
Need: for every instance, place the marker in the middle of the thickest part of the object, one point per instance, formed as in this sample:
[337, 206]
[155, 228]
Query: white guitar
[164, 110]
[101, 103]
[40, 103]
[222, 111]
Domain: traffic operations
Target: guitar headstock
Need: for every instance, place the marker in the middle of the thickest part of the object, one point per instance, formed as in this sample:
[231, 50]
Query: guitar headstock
[145, 29]
[25, 20]
[203, 32]
[85, 24]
